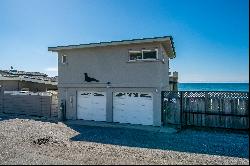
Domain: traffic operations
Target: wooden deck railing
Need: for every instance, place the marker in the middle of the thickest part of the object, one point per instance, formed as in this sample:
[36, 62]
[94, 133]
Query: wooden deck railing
[206, 108]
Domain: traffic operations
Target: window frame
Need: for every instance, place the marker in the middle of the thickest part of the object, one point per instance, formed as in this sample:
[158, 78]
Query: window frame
[141, 51]
[134, 51]
[147, 50]
[64, 59]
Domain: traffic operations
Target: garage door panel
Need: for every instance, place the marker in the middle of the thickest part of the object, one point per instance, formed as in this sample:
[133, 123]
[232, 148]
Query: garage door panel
[91, 106]
[134, 108]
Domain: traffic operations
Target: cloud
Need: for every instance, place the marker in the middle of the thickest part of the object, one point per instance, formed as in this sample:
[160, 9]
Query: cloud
[53, 69]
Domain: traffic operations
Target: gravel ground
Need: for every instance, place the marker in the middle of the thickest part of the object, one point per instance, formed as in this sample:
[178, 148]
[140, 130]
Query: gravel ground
[26, 141]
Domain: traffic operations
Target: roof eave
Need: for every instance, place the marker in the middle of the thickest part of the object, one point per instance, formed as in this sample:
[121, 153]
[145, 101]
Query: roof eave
[173, 48]
[112, 43]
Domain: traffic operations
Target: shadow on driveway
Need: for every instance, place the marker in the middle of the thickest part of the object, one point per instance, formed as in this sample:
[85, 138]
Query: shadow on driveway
[191, 141]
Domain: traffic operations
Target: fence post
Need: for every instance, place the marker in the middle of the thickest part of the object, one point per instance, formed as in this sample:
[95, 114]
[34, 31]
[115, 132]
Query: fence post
[63, 110]
[42, 108]
[181, 99]
[206, 107]
[162, 96]
[1, 98]
[50, 105]
[64, 113]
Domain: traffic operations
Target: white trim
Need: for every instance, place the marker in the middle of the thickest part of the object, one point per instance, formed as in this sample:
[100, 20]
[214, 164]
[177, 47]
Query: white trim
[157, 53]
[146, 60]
[62, 56]
[132, 51]
[157, 57]
[144, 50]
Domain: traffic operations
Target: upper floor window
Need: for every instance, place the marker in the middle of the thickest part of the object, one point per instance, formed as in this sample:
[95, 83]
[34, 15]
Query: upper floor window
[134, 55]
[64, 59]
[150, 54]
[143, 55]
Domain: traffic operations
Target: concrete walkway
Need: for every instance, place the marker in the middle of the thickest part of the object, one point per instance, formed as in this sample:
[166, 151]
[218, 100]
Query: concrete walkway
[120, 125]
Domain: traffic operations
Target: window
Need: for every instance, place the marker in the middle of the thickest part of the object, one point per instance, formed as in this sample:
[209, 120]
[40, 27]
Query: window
[64, 59]
[150, 54]
[143, 55]
[134, 55]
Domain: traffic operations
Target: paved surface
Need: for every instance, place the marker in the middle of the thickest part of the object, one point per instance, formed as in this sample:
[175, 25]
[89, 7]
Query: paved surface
[120, 125]
[28, 141]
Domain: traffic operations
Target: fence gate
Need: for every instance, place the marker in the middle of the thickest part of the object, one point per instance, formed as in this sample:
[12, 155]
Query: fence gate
[171, 108]
[206, 108]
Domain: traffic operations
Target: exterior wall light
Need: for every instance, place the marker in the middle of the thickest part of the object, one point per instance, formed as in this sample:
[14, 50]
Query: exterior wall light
[108, 84]
[163, 60]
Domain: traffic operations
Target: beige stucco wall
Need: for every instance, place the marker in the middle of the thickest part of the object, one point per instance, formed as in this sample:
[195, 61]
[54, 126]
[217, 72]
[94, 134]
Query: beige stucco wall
[110, 64]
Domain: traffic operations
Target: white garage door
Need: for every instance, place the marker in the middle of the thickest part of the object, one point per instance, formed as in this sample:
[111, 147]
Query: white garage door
[91, 106]
[134, 108]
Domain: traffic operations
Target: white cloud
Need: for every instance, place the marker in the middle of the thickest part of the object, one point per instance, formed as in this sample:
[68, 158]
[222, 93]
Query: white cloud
[52, 69]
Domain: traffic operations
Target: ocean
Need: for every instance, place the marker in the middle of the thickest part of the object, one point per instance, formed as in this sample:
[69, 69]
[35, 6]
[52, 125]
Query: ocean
[243, 87]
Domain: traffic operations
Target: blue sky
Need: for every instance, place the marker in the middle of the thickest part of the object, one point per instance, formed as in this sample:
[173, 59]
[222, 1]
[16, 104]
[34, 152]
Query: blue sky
[211, 36]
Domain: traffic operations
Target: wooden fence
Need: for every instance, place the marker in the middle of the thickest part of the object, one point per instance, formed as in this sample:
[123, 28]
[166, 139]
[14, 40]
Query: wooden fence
[32, 104]
[1, 99]
[206, 109]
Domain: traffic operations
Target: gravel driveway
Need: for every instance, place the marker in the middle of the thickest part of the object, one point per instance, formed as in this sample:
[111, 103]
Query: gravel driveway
[26, 141]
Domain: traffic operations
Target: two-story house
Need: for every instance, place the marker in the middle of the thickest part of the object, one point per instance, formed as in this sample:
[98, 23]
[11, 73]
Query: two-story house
[117, 81]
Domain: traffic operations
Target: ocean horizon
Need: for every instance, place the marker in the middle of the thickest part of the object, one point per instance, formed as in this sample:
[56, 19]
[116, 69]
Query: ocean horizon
[198, 86]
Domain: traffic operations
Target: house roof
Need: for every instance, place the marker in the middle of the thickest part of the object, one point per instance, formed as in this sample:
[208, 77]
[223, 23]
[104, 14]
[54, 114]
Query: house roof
[32, 79]
[27, 76]
[162, 39]
[16, 72]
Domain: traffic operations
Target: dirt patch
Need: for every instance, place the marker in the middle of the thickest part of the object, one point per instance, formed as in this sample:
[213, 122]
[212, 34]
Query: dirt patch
[42, 141]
